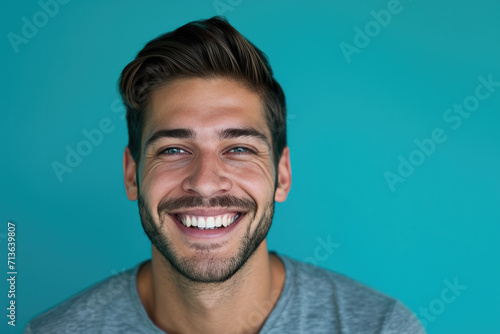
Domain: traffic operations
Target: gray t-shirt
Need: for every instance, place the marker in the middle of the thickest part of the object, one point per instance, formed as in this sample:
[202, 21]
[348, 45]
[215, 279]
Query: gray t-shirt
[313, 300]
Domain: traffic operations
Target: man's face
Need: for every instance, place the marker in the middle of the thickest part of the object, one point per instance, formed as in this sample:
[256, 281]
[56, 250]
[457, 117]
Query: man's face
[206, 185]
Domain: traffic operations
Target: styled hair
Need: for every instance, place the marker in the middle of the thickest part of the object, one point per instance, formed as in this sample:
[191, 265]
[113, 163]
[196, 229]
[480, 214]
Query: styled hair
[201, 49]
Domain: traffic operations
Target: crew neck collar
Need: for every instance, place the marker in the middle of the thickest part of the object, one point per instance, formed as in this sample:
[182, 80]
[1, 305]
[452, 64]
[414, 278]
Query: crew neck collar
[268, 324]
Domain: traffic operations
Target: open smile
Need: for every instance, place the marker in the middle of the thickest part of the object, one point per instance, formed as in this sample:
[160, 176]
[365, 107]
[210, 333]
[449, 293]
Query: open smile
[208, 222]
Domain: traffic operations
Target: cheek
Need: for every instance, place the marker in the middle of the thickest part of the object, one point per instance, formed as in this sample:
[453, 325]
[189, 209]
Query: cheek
[253, 174]
[156, 182]
[159, 179]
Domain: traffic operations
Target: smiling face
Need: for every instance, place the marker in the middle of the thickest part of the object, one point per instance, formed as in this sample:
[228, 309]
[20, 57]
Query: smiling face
[207, 184]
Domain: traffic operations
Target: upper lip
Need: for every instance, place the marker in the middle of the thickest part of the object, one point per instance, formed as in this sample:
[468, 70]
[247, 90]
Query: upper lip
[206, 212]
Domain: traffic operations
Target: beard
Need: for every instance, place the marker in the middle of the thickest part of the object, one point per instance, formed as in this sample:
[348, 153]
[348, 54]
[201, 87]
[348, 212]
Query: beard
[205, 267]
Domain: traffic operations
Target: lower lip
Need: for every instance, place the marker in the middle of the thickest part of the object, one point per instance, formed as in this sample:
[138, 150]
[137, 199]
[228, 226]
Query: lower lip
[207, 233]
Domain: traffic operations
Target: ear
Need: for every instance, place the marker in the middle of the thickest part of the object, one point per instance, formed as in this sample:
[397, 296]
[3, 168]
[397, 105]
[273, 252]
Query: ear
[129, 175]
[284, 176]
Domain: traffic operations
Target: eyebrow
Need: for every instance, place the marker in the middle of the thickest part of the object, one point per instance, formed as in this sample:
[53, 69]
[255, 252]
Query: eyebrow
[229, 133]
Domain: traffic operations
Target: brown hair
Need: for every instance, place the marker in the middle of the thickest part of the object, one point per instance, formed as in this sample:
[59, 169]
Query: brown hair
[205, 49]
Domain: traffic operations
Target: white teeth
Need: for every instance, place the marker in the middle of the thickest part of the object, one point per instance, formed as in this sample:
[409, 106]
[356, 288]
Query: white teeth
[209, 222]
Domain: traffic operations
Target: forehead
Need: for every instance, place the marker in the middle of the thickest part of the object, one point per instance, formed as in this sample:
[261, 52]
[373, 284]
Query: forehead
[204, 105]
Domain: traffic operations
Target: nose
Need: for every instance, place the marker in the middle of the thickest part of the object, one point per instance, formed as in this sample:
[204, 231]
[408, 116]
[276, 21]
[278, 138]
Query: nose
[206, 176]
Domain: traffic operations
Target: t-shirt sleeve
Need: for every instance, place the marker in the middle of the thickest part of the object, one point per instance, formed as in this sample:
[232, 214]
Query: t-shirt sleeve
[402, 321]
[27, 329]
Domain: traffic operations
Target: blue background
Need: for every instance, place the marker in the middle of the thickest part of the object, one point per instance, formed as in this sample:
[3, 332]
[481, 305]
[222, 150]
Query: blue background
[350, 118]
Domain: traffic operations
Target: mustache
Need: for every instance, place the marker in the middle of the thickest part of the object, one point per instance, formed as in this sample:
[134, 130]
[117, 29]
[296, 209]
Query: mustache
[186, 202]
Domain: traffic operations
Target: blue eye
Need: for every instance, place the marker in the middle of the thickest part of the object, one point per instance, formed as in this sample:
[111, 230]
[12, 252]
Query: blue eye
[172, 151]
[241, 150]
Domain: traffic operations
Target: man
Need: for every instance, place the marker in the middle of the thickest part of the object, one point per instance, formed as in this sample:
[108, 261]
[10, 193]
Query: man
[206, 160]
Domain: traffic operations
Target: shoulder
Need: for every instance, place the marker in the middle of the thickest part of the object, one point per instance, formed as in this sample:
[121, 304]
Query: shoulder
[352, 305]
[329, 284]
[84, 311]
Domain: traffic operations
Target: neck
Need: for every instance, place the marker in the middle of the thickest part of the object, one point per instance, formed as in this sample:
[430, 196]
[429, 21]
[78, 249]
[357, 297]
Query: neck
[238, 305]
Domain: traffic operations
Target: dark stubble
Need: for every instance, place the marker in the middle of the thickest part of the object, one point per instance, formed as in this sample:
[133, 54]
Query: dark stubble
[206, 268]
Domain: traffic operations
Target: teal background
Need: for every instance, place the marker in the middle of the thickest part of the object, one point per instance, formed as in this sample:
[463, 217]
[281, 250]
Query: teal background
[348, 124]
